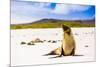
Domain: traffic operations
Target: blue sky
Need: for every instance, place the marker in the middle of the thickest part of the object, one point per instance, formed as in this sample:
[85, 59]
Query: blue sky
[26, 11]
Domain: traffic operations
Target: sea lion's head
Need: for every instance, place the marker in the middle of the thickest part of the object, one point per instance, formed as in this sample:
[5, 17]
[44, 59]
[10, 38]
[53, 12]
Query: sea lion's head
[66, 29]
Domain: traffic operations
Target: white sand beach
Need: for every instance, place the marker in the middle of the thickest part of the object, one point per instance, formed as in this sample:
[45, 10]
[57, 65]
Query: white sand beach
[33, 54]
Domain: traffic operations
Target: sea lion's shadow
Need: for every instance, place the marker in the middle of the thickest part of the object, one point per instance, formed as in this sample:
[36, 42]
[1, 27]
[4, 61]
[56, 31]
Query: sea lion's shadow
[63, 56]
[78, 55]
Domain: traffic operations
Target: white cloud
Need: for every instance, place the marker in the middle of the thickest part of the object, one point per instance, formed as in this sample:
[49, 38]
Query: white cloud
[24, 12]
[79, 7]
[67, 8]
[61, 9]
[16, 19]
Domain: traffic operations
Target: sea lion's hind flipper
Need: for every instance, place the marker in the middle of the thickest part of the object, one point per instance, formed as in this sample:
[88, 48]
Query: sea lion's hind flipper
[51, 53]
[56, 51]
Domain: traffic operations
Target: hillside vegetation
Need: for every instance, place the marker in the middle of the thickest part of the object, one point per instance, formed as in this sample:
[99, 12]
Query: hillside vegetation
[52, 24]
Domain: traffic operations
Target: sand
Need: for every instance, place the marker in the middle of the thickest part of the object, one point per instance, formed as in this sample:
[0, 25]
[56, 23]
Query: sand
[23, 54]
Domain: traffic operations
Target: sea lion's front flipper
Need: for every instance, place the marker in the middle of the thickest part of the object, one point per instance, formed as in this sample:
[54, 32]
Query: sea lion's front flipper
[73, 52]
[55, 56]
[51, 53]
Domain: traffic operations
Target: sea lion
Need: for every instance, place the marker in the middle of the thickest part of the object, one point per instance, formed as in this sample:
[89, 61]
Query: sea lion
[68, 44]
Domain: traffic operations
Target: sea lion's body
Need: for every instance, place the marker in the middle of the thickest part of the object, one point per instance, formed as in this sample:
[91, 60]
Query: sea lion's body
[68, 44]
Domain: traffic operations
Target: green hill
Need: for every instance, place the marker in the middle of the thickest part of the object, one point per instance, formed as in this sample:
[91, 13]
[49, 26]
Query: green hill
[54, 23]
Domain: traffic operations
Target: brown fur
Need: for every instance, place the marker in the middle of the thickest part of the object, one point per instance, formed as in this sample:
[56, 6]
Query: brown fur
[68, 44]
